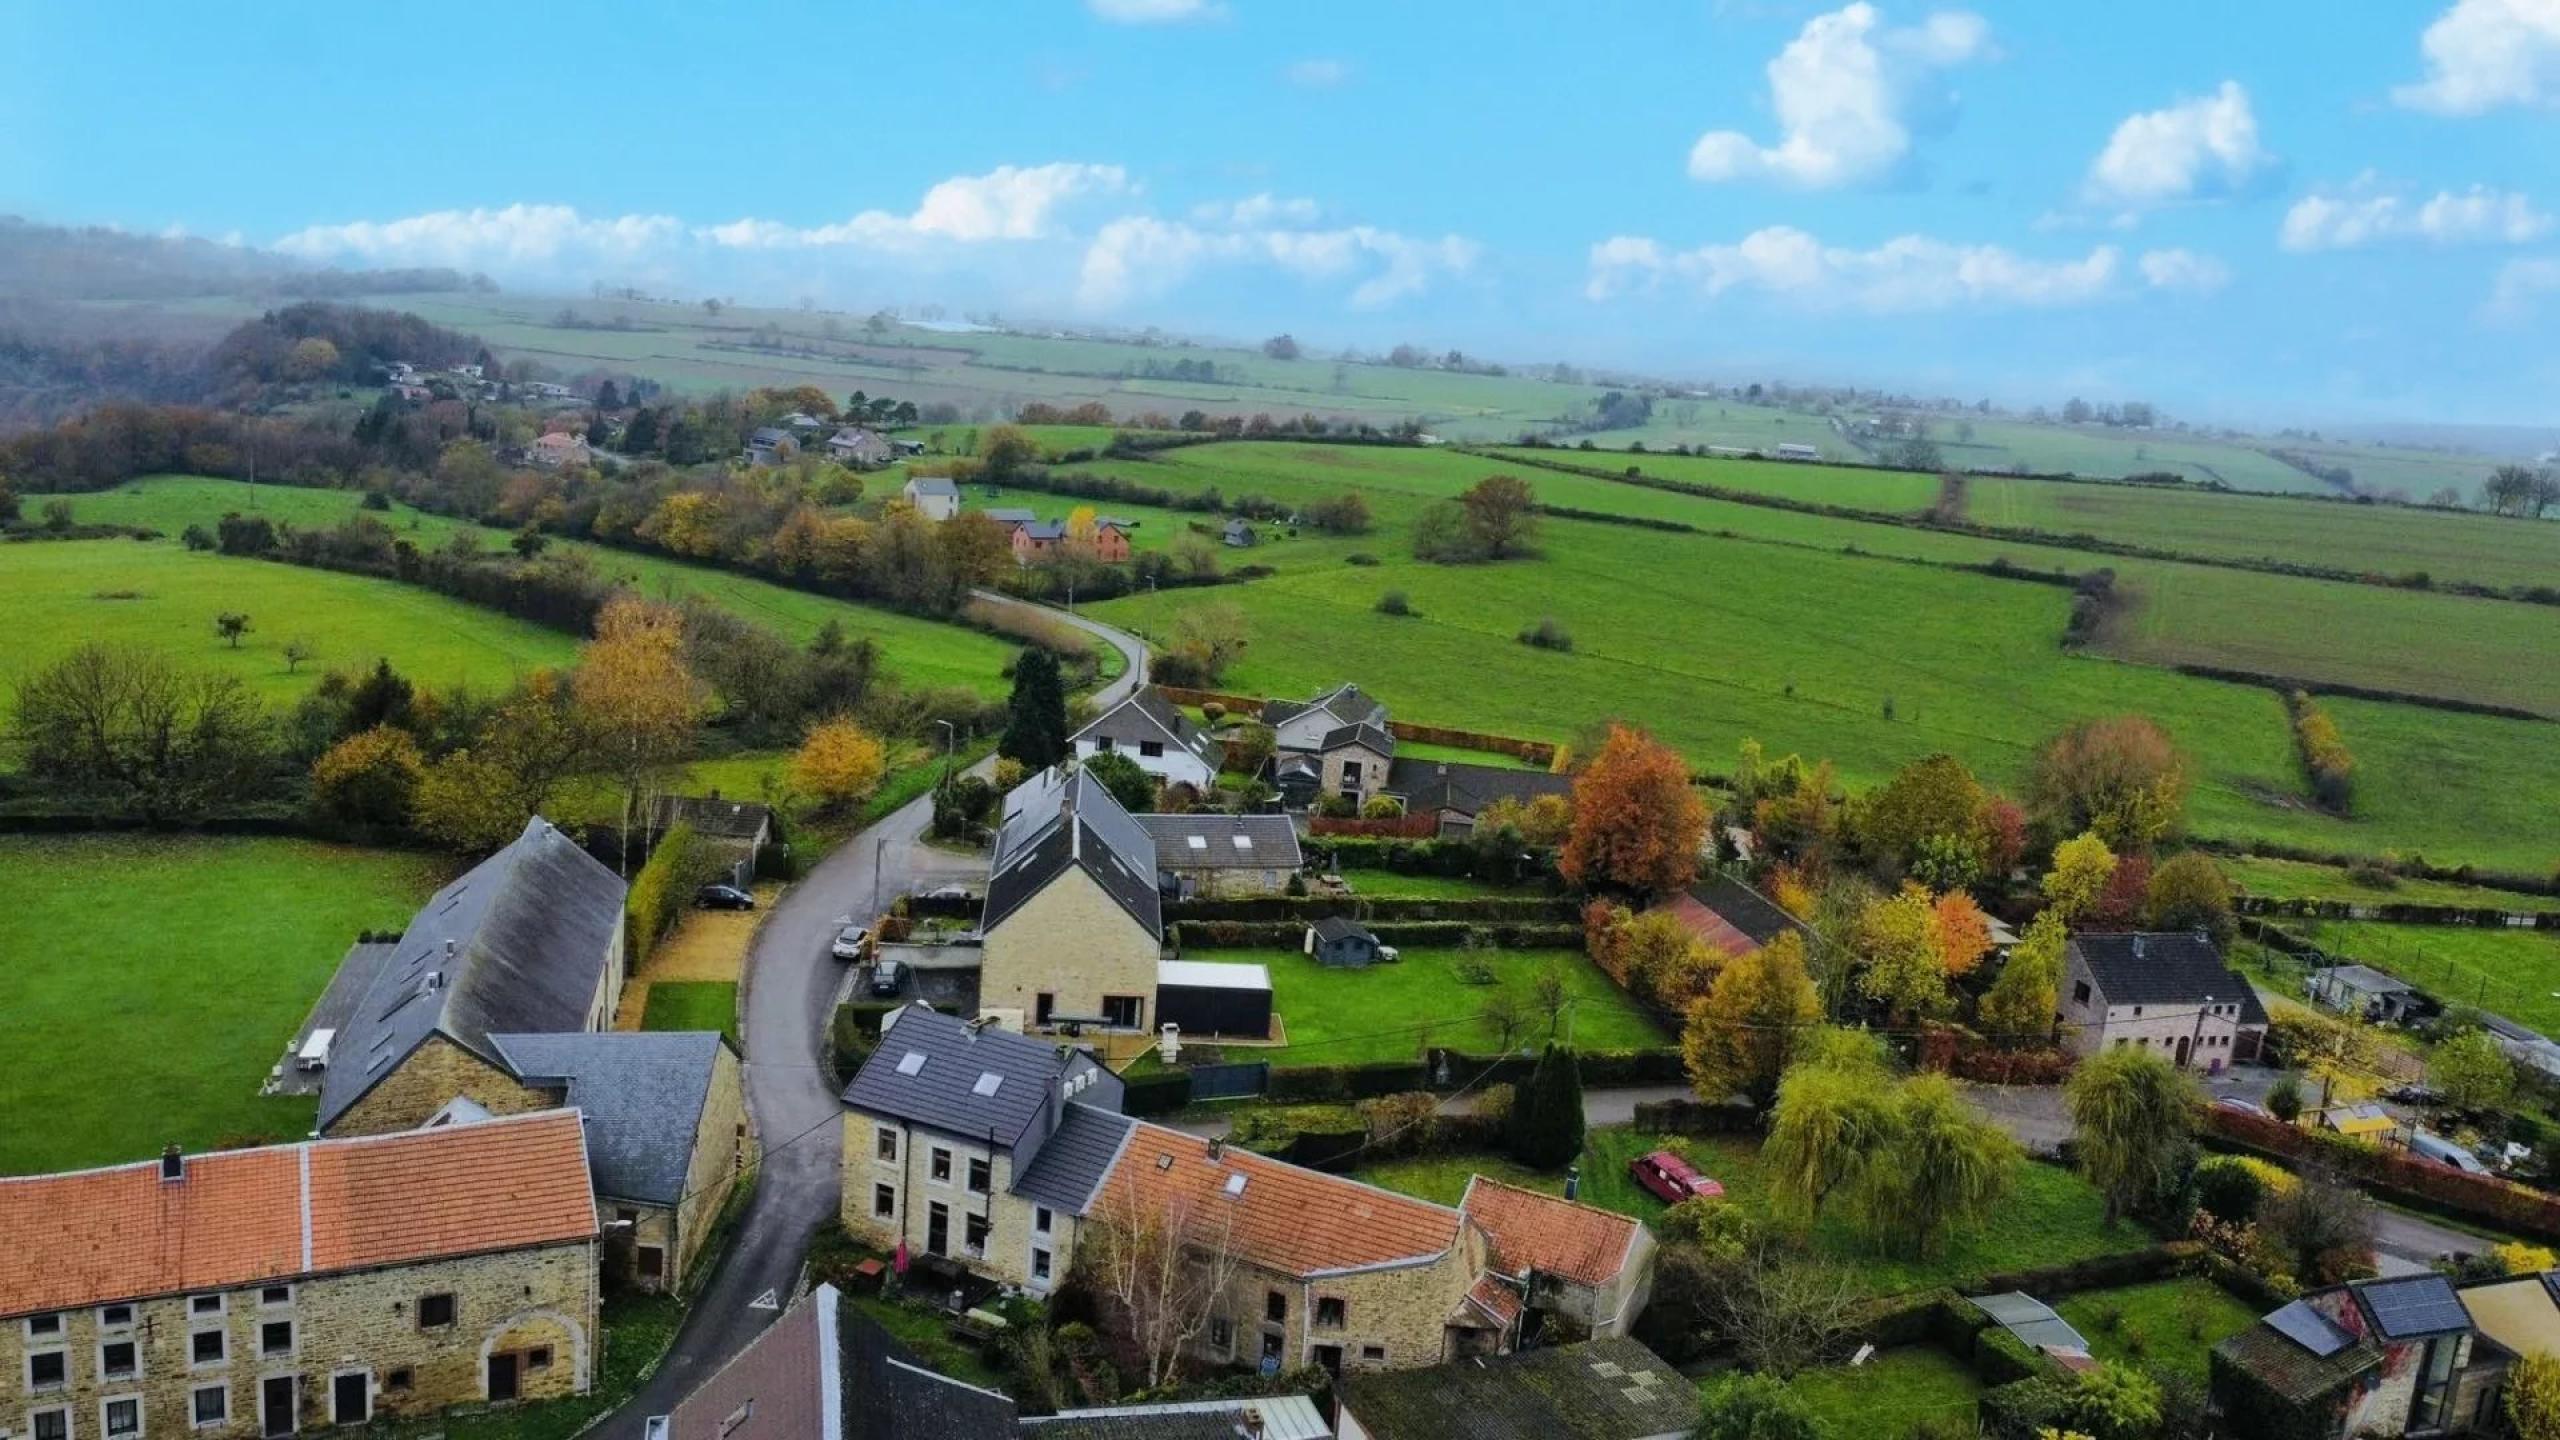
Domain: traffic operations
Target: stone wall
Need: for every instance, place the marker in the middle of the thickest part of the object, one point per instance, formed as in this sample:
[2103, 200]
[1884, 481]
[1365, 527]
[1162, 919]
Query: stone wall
[1072, 941]
[1392, 1319]
[722, 1148]
[1015, 1236]
[429, 1078]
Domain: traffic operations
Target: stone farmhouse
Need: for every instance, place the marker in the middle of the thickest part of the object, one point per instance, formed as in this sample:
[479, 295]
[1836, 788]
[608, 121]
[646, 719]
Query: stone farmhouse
[1209, 853]
[1342, 743]
[1153, 732]
[1591, 1267]
[1073, 924]
[2169, 991]
[332, 1282]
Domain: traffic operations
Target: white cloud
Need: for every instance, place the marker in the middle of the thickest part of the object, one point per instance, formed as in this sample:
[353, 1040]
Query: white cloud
[1141, 256]
[2184, 270]
[2367, 213]
[2519, 289]
[1255, 211]
[1154, 12]
[1844, 90]
[1906, 274]
[2200, 147]
[514, 237]
[1322, 72]
[2483, 54]
[1009, 202]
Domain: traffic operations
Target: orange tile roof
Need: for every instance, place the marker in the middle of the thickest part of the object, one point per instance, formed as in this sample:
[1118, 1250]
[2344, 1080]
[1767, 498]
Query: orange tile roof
[1545, 1232]
[1708, 927]
[242, 1217]
[1295, 1221]
[1496, 1299]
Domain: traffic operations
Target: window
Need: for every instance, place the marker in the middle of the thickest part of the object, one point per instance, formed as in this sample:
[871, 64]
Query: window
[973, 1234]
[1102, 742]
[1330, 1312]
[1222, 1334]
[43, 1325]
[276, 1295]
[54, 1424]
[435, 1311]
[1151, 749]
[981, 1174]
[398, 1379]
[204, 1304]
[1123, 1012]
[47, 1370]
[1275, 1307]
[1039, 1264]
[886, 1146]
[940, 1170]
[205, 1347]
[121, 1416]
[650, 1261]
[1374, 1354]
[275, 1338]
[2435, 1383]
[2137, 1010]
[212, 1405]
[1042, 1006]
[115, 1317]
[2080, 993]
[884, 1200]
[118, 1360]
[1271, 1345]
[1041, 1220]
[538, 1358]
[626, 1216]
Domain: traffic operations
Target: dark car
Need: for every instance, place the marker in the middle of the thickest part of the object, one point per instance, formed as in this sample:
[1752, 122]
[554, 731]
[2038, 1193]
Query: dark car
[1670, 1178]
[723, 897]
[886, 977]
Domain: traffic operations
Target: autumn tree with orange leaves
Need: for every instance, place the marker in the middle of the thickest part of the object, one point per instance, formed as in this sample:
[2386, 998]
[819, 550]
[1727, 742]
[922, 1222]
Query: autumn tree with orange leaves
[1637, 826]
[641, 708]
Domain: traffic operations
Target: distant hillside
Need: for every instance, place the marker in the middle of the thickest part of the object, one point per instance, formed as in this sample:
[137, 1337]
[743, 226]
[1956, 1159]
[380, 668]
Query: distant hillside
[54, 262]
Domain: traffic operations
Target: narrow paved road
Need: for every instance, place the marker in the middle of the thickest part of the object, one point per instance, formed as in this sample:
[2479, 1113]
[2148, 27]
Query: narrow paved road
[791, 988]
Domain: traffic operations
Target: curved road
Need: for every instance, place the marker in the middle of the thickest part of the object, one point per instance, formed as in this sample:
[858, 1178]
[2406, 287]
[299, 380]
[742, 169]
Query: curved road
[792, 984]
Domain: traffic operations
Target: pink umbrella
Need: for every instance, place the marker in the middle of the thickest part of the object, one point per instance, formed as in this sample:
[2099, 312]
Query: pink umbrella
[898, 1262]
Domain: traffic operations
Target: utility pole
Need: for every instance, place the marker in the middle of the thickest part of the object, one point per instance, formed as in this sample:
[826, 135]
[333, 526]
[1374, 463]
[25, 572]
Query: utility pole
[2195, 1042]
[950, 740]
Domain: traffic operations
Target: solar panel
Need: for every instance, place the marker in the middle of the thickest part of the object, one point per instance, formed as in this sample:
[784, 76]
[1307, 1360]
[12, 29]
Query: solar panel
[2310, 1329]
[2417, 1305]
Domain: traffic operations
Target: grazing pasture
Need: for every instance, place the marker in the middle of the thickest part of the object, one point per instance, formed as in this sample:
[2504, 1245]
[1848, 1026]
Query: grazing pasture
[2512, 972]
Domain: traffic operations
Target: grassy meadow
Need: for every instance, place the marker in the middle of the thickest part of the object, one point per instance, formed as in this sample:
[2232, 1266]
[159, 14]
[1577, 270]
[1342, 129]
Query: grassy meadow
[1394, 1012]
[2296, 879]
[2513, 972]
[146, 984]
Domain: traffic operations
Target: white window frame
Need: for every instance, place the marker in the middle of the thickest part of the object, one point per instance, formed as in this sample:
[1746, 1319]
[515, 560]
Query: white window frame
[220, 1423]
[1040, 1282]
[119, 1337]
[113, 1327]
[196, 1306]
[61, 1328]
[27, 1368]
[141, 1415]
[292, 1343]
[194, 1364]
[70, 1427]
[370, 1392]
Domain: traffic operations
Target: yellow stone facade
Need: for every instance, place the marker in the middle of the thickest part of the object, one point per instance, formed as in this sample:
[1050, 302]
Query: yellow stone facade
[425, 1081]
[1390, 1318]
[899, 1173]
[1075, 944]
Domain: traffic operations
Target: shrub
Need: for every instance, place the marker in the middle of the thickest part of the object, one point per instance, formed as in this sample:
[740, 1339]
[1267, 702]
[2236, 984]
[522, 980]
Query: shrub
[1547, 634]
[2326, 762]
[1360, 557]
[368, 778]
[1381, 807]
[1394, 603]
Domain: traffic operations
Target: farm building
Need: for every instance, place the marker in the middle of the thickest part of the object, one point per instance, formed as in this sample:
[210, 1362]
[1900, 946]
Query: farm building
[1454, 794]
[1154, 732]
[737, 830]
[1205, 999]
[1210, 852]
[862, 449]
[1337, 940]
[771, 446]
[1730, 917]
[1240, 534]
[2362, 990]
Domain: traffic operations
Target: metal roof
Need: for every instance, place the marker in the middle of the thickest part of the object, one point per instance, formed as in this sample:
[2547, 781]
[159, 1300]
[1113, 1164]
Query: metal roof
[2032, 1321]
[1203, 975]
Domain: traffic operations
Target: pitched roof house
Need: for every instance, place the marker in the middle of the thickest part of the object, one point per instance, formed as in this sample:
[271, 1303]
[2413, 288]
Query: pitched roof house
[1594, 1267]
[863, 449]
[771, 445]
[935, 497]
[1456, 792]
[1613, 1389]
[1153, 732]
[1073, 923]
[1302, 725]
[1730, 917]
[1209, 852]
[527, 941]
[2168, 990]
[557, 449]
[2399, 1356]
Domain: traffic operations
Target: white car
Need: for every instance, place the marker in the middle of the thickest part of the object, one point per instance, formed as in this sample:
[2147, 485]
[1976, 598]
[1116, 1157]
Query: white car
[853, 942]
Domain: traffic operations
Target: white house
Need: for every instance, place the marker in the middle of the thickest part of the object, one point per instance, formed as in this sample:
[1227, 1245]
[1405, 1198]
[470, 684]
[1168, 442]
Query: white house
[1154, 732]
[2168, 991]
[934, 496]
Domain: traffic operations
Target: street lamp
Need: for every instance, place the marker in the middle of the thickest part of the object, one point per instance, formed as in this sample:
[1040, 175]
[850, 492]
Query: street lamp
[950, 740]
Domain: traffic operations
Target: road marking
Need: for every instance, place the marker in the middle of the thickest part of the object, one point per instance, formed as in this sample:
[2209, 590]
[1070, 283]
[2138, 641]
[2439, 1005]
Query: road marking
[766, 1301]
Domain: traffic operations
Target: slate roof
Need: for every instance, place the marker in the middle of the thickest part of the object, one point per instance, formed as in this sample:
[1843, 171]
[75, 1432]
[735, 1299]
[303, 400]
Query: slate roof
[1348, 704]
[1599, 1390]
[1054, 823]
[1147, 715]
[1274, 841]
[823, 1368]
[711, 816]
[1282, 1417]
[933, 485]
[941, 1094]
[519, 944]
[1072, 1162]
[1044, 529]
[2173, 967]
[1369, 737]
[1432, 785]
[1340, 927]
[2292, 1371]
[1008, 515]
[642, 1092]
[242, 1217]
[1755, 915]
[767, 437]
[887, 1395]
[1532, 1231]
[1283, 1218]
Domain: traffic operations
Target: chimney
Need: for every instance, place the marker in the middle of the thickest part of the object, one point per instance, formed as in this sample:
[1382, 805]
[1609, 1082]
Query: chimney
[173, 1164]
[1217, 1149]
[1573, 1182]
[1252, 1425]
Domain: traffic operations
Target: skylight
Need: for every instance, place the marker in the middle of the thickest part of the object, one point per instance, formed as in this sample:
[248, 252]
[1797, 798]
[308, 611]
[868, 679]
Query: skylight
[1242, 842]
[1196, 842]
[912, 1063]
[988, 1081]
[1235, 1185]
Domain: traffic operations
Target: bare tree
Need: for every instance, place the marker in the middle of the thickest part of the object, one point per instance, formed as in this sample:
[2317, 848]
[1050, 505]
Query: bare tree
[1164, 1269]
[1786, 1314]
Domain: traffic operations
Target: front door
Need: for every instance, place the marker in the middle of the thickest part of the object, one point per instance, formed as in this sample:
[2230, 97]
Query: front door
[1330, 1357]
[502, 1378]
[2182, 1052]
[937, 1229]
[351, 1399]
[276, 1405]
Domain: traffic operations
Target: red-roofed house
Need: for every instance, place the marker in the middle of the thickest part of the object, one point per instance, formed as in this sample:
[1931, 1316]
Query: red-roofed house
[258, 1292]
[1592, 1267]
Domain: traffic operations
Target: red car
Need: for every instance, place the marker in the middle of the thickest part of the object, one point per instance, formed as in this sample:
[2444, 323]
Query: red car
[1671, 1178]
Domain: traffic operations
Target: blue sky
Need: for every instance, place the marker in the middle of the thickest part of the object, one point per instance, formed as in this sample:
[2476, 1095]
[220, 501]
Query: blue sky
[2265, 211]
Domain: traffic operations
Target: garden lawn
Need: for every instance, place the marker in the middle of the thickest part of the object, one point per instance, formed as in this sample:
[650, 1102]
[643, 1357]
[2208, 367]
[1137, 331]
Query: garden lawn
[1458, 755]
[61, 594]
[146, 984]
[1894, 1392]
[2301, 880]
[2169, 1325]
[1392, 885]
[693, 1005]
[1394, 1012]
[2512, 972]
[2050, 1217]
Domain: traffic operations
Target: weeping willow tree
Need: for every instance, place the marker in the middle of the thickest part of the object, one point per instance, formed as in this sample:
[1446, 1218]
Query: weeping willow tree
[1907, 1162]
[2131, 1114]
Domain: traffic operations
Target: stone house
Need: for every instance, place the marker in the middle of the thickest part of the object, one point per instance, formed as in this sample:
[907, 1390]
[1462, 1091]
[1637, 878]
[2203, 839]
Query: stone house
[1353, 760]
[934, 496]
[1611, 1389]
[977, 1146]
[859, 448]
[2368, 1358]
[1453, 794]
[2169, 991]
[738, 830]
[1153, 732]
[772, 445]
[1212, 853]
[1300, 726]
[528, 941]
[667, 1136]
[1591, 1268]
[1073, 923]
[558, 450]
[333, 1282]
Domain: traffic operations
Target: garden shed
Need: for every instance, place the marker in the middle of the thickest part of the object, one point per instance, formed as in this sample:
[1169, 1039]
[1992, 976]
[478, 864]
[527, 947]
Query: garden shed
[1338, 940]
[1208, 999]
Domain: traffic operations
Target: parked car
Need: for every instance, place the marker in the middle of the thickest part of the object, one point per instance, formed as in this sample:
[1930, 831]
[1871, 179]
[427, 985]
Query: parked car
[2428, 1146]
[853, 942]
[2414, 1094]
[887, 977]
[947, 892]
[1670, 1178]
[2241, 1106]
[723, 897]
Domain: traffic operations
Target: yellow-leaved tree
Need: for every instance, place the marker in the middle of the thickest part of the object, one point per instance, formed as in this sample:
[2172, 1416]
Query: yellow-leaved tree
[637, 702]
[2082, 865]
[839, 764]
[1897, 941]
[1742, 1033]
[2533, 1397]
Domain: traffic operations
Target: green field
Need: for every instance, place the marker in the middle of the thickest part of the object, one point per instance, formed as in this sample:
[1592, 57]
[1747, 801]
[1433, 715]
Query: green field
[2295, 879]
[61, 594]
[692, 1005]
[1394, 1012]
[1892, 1393]
[2515, 973]
[146, 985]
[2051, 1216]
[1891, 492]
[2169, 1325]
[1389, 885]
[918, 651]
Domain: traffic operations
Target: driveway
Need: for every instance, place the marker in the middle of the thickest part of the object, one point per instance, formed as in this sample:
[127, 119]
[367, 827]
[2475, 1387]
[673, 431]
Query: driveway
[792, 986]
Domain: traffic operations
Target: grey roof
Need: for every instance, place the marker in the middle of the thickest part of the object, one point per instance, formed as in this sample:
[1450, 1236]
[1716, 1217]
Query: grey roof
[1746, 909]
[2171, 967]
[1147, 715]
[1008, 515]
[1347, 704]
[712, 816]
[1274, 841]
[1054, 823]
[1281, 1417]
[888, 1395]
[1434, 785]
[1340, 927]
[942, 1092]
[519, 944]
[1073, 1162]
[1598, 1390]
[1369, 737]
[854, 437]
[642, 1093]
[933, 485]
[767, 435]
[2366, 979]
